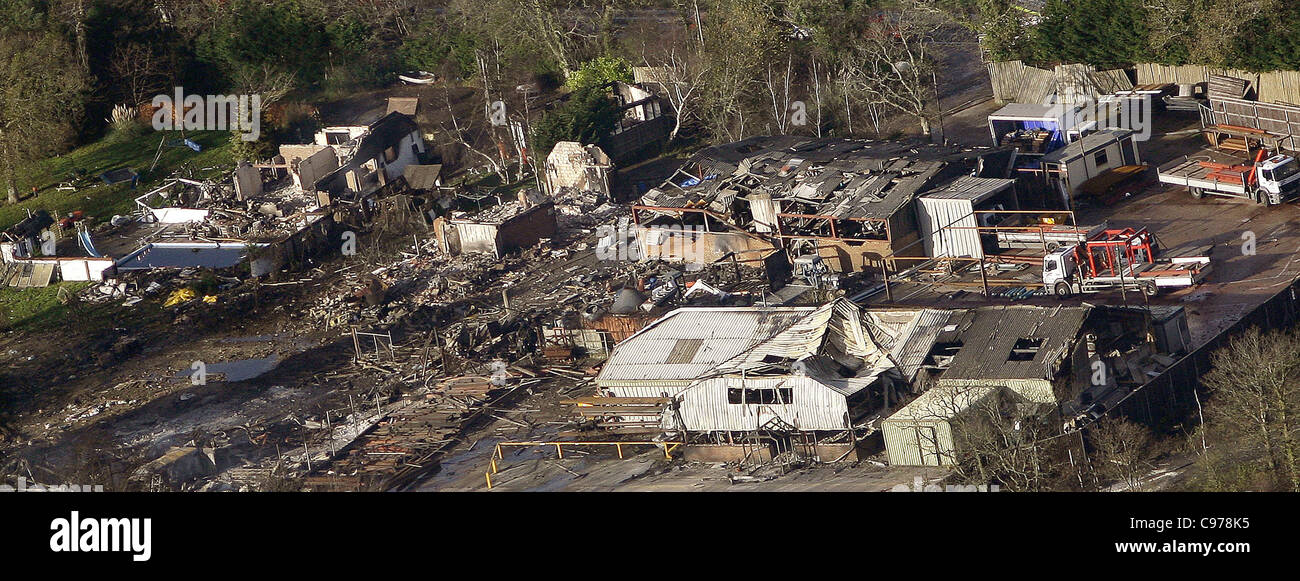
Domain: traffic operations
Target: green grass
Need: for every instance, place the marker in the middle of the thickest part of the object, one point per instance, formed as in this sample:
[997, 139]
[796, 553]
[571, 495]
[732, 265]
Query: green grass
[100, 201]
[34, 306]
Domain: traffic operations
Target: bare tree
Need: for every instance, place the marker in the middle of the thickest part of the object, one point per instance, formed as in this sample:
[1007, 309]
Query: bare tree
[1123, 451]
[778, 90]
[141, 72]
[1255, 391]
[891, 62]
[1001, 438]
[458, 134]
[679, 71]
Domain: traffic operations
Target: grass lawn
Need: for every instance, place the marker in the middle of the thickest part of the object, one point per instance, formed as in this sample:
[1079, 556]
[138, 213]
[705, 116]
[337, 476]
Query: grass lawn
[100, 201]
[34, 306]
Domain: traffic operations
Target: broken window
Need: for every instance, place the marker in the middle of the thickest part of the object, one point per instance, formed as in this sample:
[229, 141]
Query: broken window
[738, 395]
[390, 154]
[1025, 349]
[942, 354]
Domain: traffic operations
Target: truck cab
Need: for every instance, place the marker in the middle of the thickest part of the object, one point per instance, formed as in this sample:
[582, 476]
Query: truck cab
[1058, 268]
[1278, 178]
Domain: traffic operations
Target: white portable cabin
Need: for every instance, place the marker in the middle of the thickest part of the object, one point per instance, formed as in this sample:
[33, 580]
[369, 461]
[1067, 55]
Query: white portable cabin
[1069, 167]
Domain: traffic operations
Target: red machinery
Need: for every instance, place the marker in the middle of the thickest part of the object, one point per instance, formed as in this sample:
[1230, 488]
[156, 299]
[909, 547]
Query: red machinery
[1110, 250]
[1233, 173]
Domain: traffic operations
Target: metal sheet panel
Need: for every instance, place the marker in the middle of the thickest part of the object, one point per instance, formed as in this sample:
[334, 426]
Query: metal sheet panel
[921, 433]
[705, 406]
[948, 227]
[724, 333]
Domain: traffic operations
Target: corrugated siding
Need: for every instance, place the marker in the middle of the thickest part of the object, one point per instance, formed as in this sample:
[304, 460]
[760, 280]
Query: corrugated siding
[764, 210]
[918, 339]
[920, 434]
[947, 227]
[477, 237]
[726, 333]
[705, 408]
[917, 443]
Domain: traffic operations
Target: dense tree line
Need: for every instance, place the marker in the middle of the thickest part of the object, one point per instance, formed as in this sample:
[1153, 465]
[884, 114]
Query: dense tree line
[1254, 35]
[731, 68]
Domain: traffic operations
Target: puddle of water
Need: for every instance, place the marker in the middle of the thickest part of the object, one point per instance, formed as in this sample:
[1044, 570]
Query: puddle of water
[240, 369]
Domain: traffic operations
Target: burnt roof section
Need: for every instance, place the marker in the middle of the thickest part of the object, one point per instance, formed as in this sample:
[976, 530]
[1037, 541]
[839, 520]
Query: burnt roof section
[841, 178]
[991, 335]
[384, 133]
[422, 177]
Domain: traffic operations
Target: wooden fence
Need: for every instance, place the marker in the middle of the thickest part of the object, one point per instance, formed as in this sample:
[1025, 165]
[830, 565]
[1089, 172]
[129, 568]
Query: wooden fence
[1016, 82]
[1273, 87]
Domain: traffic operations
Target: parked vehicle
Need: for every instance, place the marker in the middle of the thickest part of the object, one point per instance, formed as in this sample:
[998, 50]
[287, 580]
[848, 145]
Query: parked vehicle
[1119, 259]
[1269, 179]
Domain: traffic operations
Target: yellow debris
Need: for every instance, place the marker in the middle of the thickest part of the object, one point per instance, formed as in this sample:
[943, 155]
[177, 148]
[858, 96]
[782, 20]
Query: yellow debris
[179, 296]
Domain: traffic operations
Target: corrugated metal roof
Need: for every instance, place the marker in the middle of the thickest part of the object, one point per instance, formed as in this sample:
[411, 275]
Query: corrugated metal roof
[724, 333]
[911, 350]
[970, 188]
[1032, 111]
[993, 333]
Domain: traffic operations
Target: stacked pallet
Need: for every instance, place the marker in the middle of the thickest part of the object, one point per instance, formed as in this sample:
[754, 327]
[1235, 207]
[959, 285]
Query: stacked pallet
[473, 386]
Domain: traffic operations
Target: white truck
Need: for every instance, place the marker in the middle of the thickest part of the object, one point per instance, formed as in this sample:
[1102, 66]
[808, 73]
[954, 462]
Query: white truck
[1119, 260]
[1268, 180]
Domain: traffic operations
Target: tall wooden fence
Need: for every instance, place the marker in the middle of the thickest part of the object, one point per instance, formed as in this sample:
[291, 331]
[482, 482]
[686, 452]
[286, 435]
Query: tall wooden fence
[1016, 82]
[1274, 87]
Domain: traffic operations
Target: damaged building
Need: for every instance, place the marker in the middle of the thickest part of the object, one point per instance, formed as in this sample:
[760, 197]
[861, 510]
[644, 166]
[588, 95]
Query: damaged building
[850, 202]
[1051, 363]
[499, 229]
[373, 156]
[739, 377]
[734, 379]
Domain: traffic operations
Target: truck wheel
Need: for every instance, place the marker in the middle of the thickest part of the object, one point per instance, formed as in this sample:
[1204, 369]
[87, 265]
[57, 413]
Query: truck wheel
[1062, 289]
[1052, 246]
[1150, 289]
[1196, 192]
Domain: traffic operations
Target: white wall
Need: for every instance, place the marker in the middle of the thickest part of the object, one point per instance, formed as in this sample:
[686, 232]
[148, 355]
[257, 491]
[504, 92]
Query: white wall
[84, 268]
[1086, 167]
[178, 215]
[705, 406]
[405, 155]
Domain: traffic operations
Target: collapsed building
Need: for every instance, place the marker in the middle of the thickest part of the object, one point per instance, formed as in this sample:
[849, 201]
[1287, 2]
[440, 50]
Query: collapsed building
[850, 202]
[268, 216]
[1055, 364]
[829, 380]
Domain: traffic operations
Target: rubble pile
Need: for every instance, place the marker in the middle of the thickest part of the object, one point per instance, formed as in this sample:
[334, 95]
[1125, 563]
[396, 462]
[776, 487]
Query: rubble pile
[577, 209]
